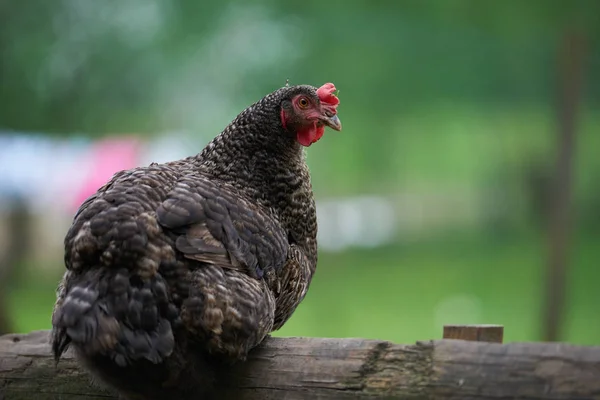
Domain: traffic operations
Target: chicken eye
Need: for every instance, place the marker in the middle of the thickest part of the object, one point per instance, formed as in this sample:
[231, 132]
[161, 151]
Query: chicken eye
[303, 102]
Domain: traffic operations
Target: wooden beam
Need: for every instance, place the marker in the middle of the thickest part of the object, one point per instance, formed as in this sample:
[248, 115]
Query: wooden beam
[314, 368]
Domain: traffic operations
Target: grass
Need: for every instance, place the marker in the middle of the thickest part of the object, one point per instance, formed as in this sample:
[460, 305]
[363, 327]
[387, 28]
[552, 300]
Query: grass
[405, 293]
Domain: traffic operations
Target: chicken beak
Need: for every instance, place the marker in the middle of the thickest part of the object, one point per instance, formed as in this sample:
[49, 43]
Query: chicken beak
[333, 122]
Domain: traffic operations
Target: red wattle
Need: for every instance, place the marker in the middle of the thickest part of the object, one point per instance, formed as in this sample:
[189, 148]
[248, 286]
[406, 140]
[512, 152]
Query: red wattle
[310, 135]
[319, 134]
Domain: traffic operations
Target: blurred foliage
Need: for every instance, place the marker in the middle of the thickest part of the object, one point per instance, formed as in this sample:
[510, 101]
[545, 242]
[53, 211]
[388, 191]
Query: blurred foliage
[435, 95]
[68, 65]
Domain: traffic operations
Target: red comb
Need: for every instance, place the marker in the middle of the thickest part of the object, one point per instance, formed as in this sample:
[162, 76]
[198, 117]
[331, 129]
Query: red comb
[326, 95]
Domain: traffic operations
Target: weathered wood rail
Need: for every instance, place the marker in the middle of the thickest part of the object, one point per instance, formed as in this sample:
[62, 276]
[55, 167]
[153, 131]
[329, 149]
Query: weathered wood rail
[314, 368]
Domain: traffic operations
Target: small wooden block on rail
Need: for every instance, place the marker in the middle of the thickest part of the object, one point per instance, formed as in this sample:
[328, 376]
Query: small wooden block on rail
[475, 333]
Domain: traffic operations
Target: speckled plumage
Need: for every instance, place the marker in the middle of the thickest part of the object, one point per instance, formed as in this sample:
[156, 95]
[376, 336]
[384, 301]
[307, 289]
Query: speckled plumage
[174, 269]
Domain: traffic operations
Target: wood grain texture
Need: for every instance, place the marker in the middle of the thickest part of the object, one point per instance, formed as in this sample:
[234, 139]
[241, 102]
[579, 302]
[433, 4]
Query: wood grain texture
[316, 368]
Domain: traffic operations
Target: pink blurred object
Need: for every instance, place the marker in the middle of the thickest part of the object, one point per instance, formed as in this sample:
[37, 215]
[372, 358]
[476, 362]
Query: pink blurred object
[106, 157]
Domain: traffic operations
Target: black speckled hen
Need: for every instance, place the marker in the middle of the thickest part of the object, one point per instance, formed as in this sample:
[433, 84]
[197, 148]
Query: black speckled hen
[175, 268]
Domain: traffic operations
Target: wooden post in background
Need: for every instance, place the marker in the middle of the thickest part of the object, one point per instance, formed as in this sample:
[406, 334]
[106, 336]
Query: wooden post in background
[18, 223]
[475, 333]
[571, 67]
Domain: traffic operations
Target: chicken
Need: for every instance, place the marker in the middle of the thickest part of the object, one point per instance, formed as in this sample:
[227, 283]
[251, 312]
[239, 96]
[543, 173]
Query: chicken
[175, 270]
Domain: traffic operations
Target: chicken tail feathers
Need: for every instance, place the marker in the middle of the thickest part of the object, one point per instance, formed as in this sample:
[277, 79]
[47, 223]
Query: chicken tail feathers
[112, 314]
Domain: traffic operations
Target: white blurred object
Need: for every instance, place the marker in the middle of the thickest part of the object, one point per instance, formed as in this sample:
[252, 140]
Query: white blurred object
[365, 221]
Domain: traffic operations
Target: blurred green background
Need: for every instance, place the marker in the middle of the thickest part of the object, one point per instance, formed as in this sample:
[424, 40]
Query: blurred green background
[448, 197]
